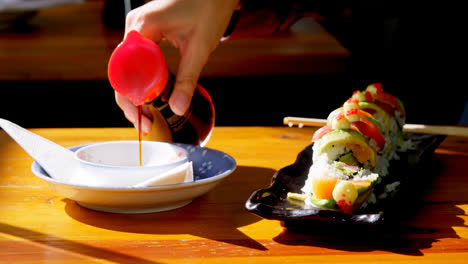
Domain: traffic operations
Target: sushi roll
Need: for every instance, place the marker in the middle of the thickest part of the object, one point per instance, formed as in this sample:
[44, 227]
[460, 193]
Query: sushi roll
[352, 152]
[390, 112]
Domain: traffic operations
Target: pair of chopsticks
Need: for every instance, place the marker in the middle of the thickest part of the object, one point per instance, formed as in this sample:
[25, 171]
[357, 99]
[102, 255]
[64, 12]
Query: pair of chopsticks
[460, 131]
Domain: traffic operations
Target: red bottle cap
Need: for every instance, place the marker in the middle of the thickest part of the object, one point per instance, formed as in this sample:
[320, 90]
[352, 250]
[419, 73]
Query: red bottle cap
[137, 69]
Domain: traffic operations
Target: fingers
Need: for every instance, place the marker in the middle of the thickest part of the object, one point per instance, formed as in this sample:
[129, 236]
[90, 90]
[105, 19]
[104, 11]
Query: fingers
[139, 19]
[192, 26]
[130, 110]
[131, 113]
[192, 60]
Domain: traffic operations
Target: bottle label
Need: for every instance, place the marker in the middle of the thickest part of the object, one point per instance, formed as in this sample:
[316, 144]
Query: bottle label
[182, 130]
[175, 122]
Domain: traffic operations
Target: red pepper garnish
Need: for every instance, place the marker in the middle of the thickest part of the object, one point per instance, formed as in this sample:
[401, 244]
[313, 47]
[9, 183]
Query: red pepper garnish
[345, 207]
[339, 116]
[369, 97]
[352, 100]
[378, 87]
[352, 111]
[390, 100]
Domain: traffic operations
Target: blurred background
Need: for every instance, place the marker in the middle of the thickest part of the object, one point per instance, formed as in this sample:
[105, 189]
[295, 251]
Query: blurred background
[53, 65]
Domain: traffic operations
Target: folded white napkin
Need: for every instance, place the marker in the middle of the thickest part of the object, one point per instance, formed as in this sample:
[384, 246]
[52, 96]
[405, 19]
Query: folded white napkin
[181, 173]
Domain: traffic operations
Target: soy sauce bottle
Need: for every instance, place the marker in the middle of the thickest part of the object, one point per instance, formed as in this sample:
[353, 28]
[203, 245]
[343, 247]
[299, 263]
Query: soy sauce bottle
[138, 71]
[194, 127]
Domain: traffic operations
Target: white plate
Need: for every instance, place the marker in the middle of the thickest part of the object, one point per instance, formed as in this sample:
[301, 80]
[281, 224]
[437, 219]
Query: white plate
[209, 167]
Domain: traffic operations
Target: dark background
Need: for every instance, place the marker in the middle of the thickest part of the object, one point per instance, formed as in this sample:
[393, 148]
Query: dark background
[256, 100]
[239, 101]
[415, 51]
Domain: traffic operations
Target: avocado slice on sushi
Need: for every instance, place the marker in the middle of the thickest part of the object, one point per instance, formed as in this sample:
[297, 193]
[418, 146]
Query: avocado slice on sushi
[348, 158]
[373, 107]
[323, 203]
[350, 138]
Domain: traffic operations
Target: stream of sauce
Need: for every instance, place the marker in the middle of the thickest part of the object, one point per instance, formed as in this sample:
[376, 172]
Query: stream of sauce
[139, 132]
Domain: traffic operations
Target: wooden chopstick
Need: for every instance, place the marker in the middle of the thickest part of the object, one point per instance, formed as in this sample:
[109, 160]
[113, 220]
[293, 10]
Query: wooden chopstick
[460, 131]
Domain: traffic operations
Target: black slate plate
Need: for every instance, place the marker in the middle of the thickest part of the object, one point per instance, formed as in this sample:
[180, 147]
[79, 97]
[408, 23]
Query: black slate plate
[271, 203]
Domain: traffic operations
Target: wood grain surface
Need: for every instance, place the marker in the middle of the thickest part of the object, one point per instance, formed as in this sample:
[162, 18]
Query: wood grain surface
[39, 226]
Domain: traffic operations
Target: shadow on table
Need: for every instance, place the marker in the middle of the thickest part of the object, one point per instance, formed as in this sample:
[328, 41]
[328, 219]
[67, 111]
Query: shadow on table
[65, 246]
[401, 239]
[216, 216]
[409, 227]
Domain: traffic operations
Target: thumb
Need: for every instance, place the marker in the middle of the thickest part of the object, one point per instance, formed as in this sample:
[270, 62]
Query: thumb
[192, 60]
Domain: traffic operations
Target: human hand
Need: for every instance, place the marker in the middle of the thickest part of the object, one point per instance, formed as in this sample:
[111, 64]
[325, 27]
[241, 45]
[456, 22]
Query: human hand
[195, 27]
[131, 113]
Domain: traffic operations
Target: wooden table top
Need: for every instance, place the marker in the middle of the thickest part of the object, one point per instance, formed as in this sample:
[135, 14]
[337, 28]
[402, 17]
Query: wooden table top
[70, 42]
[38, 225]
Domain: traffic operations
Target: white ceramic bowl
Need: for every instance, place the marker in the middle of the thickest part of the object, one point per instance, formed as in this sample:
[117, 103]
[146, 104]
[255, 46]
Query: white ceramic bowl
[209, 168]
[116, 163]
